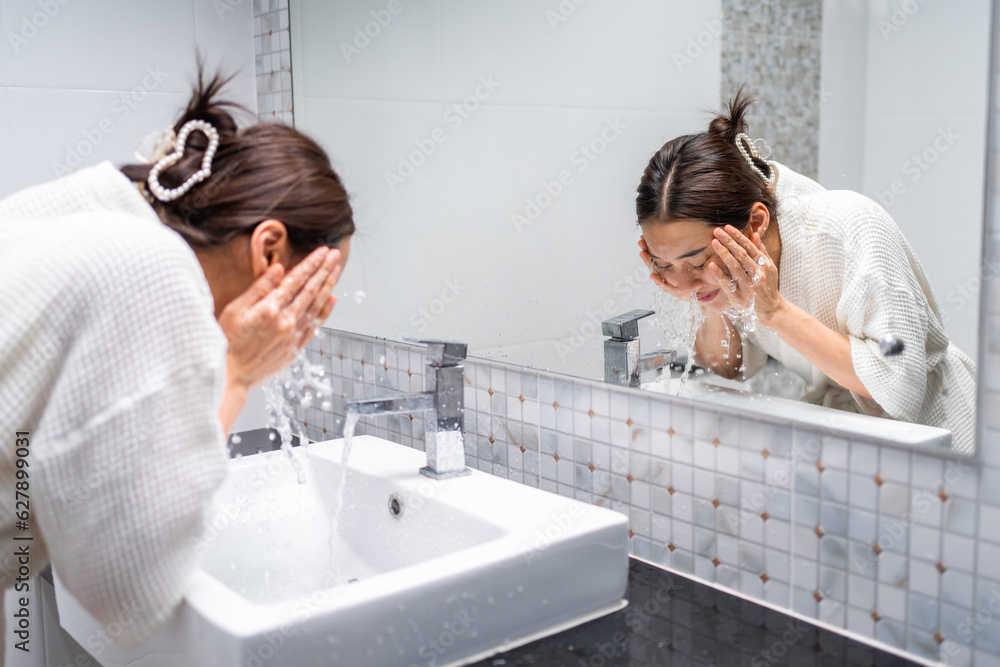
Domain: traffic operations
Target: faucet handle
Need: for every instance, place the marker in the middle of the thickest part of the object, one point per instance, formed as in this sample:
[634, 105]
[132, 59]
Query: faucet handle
[625, 326]
[444, 352]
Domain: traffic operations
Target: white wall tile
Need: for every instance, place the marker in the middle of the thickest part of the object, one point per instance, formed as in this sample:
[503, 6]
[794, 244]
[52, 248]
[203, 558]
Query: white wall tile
[223, 31]
[400, 60]
[911, 74]
[595, 58]
[5, 151]
[935, 163]
[3, 55]
[121, 40]
[59, 131]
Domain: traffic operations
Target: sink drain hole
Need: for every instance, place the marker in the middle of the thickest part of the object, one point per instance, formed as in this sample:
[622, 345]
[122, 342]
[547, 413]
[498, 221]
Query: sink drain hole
[396, 505]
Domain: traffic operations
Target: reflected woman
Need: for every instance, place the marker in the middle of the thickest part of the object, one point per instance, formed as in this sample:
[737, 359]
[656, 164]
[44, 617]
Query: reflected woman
[827, 273]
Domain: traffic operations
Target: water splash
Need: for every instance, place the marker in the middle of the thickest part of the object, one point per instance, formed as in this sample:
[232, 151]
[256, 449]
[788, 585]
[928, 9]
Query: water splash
[745, 317]
[295, 387]
[680, 321]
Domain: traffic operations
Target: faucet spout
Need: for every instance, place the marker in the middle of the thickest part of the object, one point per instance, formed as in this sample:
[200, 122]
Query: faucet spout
[391, 404]
[441, 406]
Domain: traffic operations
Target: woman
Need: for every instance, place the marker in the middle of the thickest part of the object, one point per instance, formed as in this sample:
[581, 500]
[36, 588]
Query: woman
[826, 273]
[135, 320]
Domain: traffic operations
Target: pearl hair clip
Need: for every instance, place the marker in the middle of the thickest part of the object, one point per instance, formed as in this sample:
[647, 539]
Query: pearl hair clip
[170, 194]
[748, 150]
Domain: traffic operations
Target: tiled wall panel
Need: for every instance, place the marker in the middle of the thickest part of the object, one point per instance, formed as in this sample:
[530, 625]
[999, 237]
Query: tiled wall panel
[894, 545]
[273, 60]
[898, 546]
[775, 48]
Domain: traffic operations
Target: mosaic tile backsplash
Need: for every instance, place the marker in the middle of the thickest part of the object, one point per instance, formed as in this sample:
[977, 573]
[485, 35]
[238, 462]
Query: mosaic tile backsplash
[897, 546]
[775, 47]
[273, 56]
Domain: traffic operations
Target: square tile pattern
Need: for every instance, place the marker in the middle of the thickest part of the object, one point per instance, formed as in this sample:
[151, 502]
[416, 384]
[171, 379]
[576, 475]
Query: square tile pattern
[776, 47]
[273, 60]
[901, 547]
[891, 544]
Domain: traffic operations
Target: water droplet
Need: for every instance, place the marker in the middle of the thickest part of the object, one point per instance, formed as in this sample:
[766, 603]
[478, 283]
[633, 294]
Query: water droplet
[235, 439]
[359, 296]
[761, 261]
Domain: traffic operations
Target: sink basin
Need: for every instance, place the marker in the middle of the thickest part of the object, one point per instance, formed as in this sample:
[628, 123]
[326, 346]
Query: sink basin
[414, 571]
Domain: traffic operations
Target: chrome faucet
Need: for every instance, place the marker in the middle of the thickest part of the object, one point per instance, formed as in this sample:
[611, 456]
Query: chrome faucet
[623, 362]
[442, 405]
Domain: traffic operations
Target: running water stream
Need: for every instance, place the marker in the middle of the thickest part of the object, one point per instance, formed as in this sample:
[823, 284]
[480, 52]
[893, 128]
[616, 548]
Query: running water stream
[299, 385]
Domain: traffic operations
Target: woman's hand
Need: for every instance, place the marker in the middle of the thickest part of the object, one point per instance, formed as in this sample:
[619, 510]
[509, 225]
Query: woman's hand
[753, 275]
[269, 323]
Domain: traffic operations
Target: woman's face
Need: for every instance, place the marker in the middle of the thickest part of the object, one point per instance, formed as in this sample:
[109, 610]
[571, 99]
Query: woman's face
[681, 252]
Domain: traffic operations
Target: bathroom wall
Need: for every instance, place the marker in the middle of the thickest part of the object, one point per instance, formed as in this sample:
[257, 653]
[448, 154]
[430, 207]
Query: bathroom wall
[85, 82]
[273, 60]
[776, 47]
[902, 124]
[895, 546]
[498, 103]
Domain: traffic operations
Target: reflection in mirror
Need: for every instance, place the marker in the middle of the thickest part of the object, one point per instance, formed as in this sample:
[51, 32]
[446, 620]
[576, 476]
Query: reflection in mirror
[495, 186]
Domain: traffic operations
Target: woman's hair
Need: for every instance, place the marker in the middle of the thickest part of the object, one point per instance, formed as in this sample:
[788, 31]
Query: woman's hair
[261, 172]
[705, 177]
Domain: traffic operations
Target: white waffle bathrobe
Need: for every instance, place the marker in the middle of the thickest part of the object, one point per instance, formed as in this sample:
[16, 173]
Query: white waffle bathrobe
[845, 261]
[111, 358]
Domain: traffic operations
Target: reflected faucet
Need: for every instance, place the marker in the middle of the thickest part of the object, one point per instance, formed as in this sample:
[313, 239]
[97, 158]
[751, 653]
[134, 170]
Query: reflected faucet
[442, 405]
[623, 362]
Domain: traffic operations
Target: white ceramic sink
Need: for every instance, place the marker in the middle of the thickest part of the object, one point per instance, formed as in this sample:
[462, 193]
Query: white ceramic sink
[414, 572]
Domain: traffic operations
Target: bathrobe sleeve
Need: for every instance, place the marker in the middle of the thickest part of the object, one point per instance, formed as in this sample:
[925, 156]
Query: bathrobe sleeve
[880, 295]
[129, 450]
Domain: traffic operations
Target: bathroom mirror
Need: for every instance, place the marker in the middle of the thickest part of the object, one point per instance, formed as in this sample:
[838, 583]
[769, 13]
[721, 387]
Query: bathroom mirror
[493, 149]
